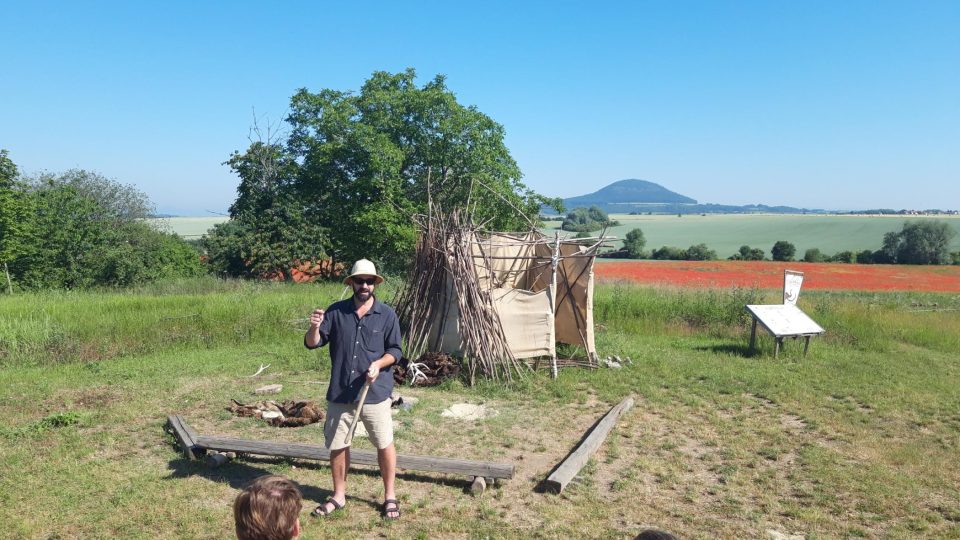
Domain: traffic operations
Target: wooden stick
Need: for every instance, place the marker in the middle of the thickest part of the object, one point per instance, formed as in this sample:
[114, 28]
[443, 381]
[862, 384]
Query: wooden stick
[569, 468]
[356, 415]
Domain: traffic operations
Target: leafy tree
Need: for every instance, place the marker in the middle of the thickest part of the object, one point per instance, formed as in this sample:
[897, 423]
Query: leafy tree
[634, 243]
[783, 251]
[668, 253]
[92, 234]
[814, 255]
[14, 216]
[746, 253]
[700, 252]
[587, 220]
[865, 257]
[919, 242]
[844, 257]
[367, 162]
[271, 228]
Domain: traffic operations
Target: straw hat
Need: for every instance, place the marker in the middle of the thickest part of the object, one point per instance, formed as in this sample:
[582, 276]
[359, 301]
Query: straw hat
[363, 267]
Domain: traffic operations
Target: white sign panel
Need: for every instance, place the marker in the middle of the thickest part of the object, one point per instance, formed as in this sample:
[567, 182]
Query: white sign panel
[792, 281]
[784, 320]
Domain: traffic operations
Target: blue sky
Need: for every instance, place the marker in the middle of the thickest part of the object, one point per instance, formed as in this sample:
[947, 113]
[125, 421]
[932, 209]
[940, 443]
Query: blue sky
[836, 105]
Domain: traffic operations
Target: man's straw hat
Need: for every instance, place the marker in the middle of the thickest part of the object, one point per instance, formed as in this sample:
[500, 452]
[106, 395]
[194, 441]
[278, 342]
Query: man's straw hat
[363, 267]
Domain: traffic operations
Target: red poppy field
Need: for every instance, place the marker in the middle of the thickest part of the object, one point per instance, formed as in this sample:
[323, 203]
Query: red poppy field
[769, 275]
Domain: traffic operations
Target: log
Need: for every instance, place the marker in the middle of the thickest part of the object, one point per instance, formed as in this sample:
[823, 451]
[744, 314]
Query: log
[185, 435]
[569, 468]
[357, 457]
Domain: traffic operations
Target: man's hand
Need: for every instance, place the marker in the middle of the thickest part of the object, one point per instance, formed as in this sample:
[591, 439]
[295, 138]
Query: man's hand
[316, 318]
[372, 372]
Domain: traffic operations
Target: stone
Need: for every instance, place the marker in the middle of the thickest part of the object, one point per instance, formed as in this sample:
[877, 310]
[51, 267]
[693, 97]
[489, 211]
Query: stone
[269, 389]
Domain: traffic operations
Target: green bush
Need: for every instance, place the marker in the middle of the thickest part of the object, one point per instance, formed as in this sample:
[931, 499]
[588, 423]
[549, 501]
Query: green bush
[783, 251]
[814, 255]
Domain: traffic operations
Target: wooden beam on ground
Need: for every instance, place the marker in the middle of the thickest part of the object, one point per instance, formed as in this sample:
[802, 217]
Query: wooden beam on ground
[185, 435]
[578, 458]
[357, 457]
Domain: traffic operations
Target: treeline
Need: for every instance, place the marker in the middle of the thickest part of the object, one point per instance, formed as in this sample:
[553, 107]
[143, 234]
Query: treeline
[355, 174]
[78, 229]
[918, 242]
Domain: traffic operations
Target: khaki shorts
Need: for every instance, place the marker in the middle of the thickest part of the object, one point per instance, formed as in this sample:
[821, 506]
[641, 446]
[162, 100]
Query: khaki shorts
[376, 419]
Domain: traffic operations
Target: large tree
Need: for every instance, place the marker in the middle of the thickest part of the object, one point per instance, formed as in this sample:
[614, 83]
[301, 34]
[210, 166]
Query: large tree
[91, 232]
[919, 242]
[367, 162]
[14, 215]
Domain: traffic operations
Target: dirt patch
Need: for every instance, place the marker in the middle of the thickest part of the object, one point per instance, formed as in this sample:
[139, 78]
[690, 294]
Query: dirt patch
[468, 411]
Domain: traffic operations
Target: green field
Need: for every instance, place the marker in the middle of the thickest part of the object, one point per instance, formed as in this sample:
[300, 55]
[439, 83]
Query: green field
[190, 228]
[857, 439]
[725, 233]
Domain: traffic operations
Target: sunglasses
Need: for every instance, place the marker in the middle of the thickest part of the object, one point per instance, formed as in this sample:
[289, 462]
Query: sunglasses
[368, 281]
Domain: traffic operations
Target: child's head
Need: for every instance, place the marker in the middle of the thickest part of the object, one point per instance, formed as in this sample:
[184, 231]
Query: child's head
[268, 509]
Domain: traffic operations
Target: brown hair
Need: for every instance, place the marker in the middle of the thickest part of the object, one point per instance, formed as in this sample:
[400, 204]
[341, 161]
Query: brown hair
[268, 509]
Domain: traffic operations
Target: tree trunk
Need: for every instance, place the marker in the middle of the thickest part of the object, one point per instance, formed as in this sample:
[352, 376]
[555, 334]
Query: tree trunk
[9, 283]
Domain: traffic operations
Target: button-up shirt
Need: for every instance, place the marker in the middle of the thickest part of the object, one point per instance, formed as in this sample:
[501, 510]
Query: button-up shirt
[355, 343]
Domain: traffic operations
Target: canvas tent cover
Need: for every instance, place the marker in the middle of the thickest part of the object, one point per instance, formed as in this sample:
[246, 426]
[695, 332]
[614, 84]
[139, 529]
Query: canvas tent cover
[538, 303]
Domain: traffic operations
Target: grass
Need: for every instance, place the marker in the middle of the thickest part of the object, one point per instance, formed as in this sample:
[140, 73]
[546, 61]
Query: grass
[725, 233]
[857, 439]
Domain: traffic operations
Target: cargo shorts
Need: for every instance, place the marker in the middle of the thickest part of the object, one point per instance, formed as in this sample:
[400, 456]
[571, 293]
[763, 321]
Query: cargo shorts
[376, 419]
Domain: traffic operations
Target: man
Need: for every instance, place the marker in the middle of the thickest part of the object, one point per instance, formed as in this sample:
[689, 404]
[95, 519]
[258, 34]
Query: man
[268, 509]
[364, 338]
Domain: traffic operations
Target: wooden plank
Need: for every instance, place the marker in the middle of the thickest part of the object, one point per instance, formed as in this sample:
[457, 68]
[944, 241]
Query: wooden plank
[184, 436]
[578, 458]
[186, 427]
[357, 457]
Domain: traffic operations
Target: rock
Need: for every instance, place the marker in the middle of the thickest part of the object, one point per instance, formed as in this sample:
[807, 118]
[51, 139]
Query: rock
[269, 389]
[777, 535]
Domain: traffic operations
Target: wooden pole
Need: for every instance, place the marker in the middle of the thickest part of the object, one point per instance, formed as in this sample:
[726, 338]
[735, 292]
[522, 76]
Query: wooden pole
[9, 283]
[356, 414]
[578, 458]
[553, 302]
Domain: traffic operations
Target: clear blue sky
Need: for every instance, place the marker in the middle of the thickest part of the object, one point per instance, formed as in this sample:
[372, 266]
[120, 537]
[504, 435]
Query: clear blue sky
[836, 105]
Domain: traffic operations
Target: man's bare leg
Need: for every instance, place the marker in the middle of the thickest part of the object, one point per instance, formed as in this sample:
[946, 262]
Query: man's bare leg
[387, 458]
[339, 464]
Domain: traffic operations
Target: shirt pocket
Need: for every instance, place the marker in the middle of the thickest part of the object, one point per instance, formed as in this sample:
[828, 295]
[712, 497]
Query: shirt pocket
[371, 340]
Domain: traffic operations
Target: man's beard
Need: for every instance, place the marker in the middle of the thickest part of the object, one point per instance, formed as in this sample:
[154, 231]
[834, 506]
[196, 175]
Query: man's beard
[362, 295]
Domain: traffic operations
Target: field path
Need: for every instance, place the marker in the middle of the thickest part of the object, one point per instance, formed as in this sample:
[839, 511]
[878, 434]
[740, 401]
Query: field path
[769, 275]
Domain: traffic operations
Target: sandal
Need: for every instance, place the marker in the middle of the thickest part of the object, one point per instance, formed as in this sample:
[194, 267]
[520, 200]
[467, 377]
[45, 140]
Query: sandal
[387, 509]
[322, 511]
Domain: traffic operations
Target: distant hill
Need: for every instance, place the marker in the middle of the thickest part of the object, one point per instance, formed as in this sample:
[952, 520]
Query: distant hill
[627, 192]
[641, 197]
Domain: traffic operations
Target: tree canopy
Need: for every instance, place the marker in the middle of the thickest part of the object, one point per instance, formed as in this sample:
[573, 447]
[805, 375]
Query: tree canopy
[80, 229]
[919, 242]
[356, 167]
[783, 251]
[634, 243]
[587, 220]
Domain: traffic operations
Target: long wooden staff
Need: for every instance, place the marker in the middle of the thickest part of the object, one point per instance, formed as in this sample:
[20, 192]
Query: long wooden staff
[356, 415]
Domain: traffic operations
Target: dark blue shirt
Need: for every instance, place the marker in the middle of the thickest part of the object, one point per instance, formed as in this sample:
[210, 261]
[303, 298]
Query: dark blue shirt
[356, 343]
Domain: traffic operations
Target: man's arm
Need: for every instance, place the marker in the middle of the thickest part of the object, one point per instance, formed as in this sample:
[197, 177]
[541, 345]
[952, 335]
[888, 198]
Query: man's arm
[314, 338]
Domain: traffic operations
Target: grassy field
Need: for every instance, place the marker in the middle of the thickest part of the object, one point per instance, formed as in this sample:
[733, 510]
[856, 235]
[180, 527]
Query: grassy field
[858, 439]
[190, 228]
[725, 233]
